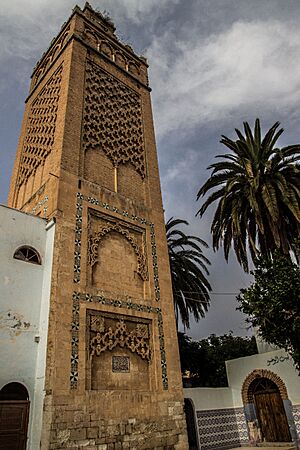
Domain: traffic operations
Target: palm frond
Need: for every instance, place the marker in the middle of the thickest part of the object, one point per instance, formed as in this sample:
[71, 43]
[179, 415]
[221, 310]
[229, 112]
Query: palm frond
[188, 267]
[256, 190]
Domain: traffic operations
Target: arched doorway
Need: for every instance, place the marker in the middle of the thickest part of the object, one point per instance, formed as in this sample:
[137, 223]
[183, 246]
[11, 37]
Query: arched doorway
[191, 424]
[265, 398]
[14, 414]
[270, 411]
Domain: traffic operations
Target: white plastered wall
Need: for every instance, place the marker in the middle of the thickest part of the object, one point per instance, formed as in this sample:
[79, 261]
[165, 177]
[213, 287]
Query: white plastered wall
[277, 361]
[24, 309]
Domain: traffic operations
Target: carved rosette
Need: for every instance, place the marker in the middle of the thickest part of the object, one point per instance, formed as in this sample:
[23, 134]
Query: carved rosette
[96, 238]
[108, 338]
[112, 119]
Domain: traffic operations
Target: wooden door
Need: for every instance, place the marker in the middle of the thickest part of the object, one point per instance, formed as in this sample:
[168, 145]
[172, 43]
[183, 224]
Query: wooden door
[13, 424]
[271, 416]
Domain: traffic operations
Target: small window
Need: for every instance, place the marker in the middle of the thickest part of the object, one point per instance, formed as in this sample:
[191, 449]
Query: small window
[27, 254]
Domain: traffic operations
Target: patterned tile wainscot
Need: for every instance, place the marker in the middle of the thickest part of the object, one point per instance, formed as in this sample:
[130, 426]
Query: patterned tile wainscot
[221, 428]
[296, 414]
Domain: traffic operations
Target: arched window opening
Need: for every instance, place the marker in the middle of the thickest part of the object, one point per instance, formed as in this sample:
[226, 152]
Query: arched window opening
[27, 254]
[14, 391]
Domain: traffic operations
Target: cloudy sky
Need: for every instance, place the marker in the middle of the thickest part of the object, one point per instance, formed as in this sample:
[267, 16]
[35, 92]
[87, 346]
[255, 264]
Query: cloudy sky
[213, 65]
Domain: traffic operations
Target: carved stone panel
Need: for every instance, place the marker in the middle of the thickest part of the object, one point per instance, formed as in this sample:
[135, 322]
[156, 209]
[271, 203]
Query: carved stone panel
[117, 256]
[112, 119]
[40, 128]
[118, 351]
[120, 364]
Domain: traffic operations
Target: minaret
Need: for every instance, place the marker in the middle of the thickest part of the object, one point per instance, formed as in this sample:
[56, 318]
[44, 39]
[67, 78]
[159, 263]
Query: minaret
[87, 157]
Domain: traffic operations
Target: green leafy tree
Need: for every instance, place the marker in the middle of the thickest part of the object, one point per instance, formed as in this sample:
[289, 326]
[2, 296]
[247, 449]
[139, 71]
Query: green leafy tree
[272, 303]
[188, 267]
[257, 187]
[203, 362]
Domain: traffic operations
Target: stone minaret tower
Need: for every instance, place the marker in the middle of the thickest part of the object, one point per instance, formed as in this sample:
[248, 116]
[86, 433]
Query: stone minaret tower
[87, 157]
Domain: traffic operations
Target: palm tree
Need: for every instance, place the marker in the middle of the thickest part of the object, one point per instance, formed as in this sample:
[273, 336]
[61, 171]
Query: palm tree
[187, 264]
[258, 195]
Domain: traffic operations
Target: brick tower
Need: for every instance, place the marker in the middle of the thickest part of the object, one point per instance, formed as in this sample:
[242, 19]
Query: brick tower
[87, 157]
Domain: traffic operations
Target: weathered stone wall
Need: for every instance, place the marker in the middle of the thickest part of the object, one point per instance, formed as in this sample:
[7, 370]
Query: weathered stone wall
[80, 426]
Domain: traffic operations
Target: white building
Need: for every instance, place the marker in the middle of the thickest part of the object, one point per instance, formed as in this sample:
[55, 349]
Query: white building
[261, 404]
[26, 251]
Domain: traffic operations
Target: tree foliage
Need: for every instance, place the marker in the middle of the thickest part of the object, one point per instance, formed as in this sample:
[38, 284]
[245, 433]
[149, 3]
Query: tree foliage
[203, 362]
[257, 187]
[188, 267]
[272, 303]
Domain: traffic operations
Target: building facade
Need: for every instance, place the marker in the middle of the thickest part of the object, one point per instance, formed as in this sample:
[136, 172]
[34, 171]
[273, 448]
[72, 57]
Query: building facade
[260, 406]
[87, 157]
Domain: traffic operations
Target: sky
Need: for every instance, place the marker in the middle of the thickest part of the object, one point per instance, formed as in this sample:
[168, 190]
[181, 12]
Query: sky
[213, 65]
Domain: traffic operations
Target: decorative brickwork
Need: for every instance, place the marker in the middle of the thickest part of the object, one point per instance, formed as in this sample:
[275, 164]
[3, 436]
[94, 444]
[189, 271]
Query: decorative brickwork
[49, 56]
[247, 394]
[112, 119]
[40, 128]
[99, 42]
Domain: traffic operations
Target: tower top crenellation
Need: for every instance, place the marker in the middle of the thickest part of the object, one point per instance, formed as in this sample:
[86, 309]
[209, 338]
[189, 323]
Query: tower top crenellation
[95, 30]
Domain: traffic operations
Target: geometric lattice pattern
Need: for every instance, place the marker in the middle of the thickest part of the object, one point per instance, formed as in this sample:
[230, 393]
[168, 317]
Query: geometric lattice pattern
[112, 119]
[40, 128]
[222, 428]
